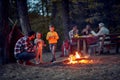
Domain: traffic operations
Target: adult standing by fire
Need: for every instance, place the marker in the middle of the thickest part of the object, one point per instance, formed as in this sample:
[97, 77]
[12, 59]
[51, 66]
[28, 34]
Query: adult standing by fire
[52, 37]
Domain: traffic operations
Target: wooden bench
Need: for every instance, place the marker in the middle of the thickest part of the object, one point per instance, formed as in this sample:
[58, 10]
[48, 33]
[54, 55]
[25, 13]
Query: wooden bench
[113, 41]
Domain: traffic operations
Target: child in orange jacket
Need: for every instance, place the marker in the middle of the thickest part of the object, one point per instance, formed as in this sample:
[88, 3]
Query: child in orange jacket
[52, 37]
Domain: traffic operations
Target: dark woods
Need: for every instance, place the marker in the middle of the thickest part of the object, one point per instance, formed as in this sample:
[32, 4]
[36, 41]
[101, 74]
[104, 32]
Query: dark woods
[9, 10]
[63, 14]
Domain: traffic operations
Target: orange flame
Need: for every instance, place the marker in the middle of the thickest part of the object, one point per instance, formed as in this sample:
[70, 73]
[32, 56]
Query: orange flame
[73, 59]
[77, 55]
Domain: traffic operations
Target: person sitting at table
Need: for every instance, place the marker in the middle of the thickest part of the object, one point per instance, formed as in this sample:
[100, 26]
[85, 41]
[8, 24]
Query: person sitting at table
[72, 34]
[86, 30]
[102, 31]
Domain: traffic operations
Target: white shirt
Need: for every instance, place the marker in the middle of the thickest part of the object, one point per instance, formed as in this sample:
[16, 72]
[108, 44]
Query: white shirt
[102, 31]
[39, 43]
[72, 33]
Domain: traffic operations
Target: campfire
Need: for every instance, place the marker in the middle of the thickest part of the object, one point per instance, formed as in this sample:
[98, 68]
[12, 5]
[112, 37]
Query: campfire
[77, 58]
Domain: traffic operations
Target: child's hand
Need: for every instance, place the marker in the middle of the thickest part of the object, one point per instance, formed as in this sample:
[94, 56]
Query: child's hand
[34, 47]
[51, 37]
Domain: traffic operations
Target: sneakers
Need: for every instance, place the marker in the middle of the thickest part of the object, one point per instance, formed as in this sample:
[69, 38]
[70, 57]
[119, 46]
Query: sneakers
[36, 62]
[20, 62]
[39, 62]
[24, 62]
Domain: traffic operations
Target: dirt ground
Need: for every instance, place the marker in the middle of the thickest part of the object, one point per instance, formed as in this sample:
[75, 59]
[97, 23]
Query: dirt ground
[104, 67]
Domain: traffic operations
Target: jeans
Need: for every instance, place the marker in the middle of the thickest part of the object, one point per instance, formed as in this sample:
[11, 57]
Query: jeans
[52, 49]
[25, 56]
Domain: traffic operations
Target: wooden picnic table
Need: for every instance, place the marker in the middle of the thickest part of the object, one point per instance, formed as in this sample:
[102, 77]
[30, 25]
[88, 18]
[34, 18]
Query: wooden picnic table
[84, 41]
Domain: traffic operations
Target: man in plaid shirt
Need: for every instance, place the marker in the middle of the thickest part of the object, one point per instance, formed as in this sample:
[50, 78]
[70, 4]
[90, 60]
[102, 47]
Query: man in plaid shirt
[24, 49]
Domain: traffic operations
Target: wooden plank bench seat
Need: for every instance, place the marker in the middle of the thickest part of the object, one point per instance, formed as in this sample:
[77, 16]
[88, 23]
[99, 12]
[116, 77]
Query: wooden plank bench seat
[113, 41]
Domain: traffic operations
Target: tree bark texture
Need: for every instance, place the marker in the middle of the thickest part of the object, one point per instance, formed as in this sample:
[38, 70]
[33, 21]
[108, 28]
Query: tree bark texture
[65, 16]
[23, 15]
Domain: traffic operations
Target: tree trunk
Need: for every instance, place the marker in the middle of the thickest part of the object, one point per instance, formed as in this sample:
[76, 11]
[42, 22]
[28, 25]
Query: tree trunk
[46, 5]
[23, 15]
[54, 11]
[65, 16]
[4, 32]
[43, 12]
